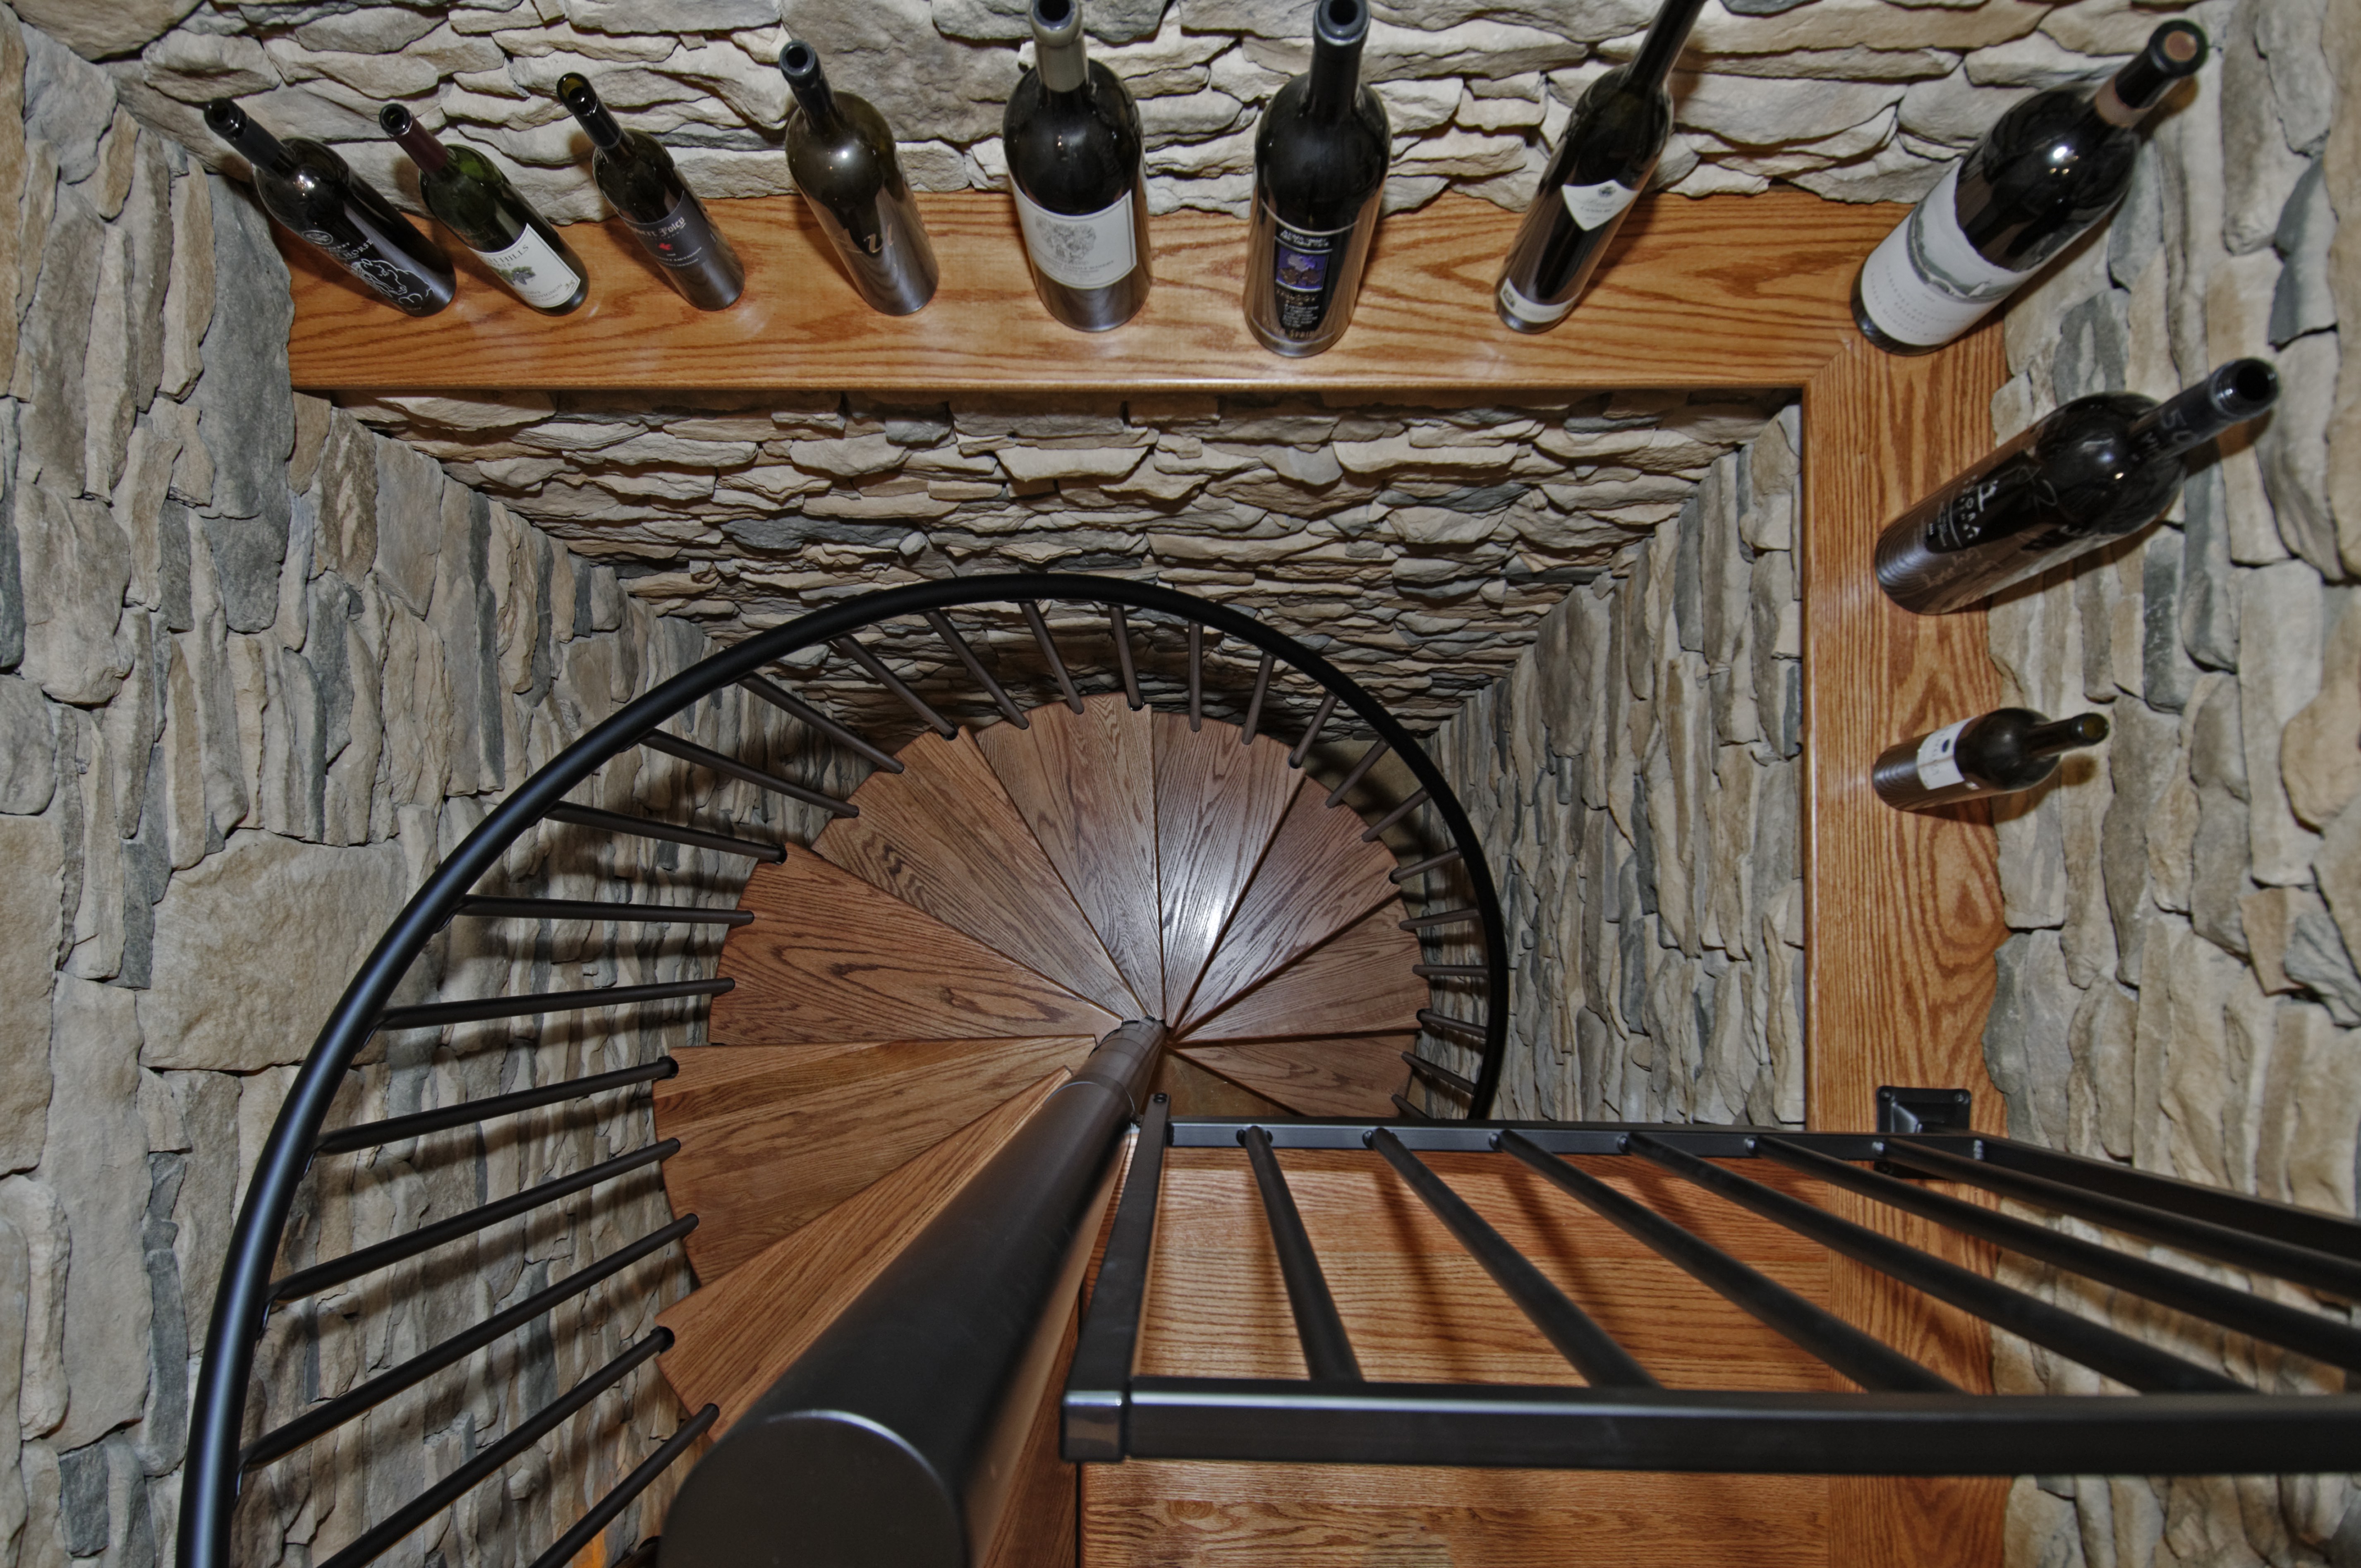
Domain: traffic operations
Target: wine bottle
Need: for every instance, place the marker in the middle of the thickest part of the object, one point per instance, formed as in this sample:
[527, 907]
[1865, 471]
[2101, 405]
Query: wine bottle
[1073, 140]
[310, 191]
[469, 196]
[843, 158]
[635, 173]
[1320, 169]
[2048, 169]
[1993, 753]
[1610, 148]
[2095, 470]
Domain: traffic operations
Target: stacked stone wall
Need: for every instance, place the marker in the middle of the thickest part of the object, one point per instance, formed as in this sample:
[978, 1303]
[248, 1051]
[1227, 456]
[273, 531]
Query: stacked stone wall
[259, 669]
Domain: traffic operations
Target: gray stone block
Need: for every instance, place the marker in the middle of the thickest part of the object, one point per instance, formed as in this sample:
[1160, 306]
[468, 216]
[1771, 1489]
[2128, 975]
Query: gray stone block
[53, 346]
[2209, 599]
[73, 643]
[28, 760]
[2166, 674]
[246, 554]
[69, 103]
[2305, 300]
[246, 410]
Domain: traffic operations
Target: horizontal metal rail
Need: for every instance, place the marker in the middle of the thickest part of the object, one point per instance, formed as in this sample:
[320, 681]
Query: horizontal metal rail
[374, 1543]
[976, 671]
[1327, 1348]
[1048, 647]
[1577, 1337]
[282, 1440]
[436, 1015]
[484, 908]
[876, 671]
[352, 1264]
[728, 766]
[566, 1547]
[812, 718]
[2335, 1235]
[644, 827]
[466, 1113]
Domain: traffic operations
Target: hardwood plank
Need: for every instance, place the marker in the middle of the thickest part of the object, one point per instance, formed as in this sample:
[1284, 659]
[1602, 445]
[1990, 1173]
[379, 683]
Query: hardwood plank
[1217, 805]
[735, 1337]
[1316, 878]
[1354, 1074]
[1723, 291]
[1356, 983]
[772, 1136]
[943, 835]
[1154, 1514]
[1086, 785]
[1038, 1527]
[1903, 910]
[1195, 1091]
[832, 957]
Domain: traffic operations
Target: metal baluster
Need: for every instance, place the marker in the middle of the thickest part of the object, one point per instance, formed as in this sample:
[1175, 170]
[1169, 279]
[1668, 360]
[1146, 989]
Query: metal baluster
[1431, 1019]
[1254, 704]
[982, 677]
[398, 1129]
[481, 909]
[434, 1014]
[1098, 1385]
[717, 762]
[1449, 971]
[804, 713]
[1412, 1111]
[1196, 676]
[569, 1545]
[1327, 1350]
[1049, 652]
[893, 683]
[1123, 658]
[1360, 771]
[1370, 834]
[1446, 917]
[1312, 730]
[641, 828]
[1432, 863]
[1439, 1073]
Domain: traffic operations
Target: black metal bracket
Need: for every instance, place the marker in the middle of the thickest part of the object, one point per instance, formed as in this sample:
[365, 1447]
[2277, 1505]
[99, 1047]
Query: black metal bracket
[1923, 1110]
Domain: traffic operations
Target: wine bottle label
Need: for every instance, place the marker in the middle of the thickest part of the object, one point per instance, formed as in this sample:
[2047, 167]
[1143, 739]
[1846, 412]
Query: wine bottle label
[1593, 205]
[364, 260]
[1938, 764]
[1924, 284]
[535, 271]
[1303, 274]
[1531, 312]
[1094, 250]
[679, 238]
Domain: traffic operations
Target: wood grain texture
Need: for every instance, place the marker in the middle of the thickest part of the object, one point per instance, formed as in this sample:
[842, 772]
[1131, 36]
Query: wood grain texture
[772, 1136]
[1196, 1091]
[1217, 805]
[736, 1336]
[1316, 878]
[942, 835]
[1903, 909]
[832, 957]
[1723, 291]
[1356, 983]
[1353, 1075]
[1086, 784]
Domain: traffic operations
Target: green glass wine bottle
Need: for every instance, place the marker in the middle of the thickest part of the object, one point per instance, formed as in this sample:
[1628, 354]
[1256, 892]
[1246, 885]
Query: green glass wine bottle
[635, 173]
[468, 195]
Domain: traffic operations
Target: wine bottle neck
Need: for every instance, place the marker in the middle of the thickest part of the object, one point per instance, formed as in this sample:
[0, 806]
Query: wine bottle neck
[799, 63]
[2064, 734]
[1666, 35]
[1057, 51]
[2232, 395]
[1334, 82]
[576, 94]
[2174, 50]
[428, 153]
[258, 147]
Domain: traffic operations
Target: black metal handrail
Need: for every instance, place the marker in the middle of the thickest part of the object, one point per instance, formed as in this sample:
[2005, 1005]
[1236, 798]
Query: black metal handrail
[248, 1290]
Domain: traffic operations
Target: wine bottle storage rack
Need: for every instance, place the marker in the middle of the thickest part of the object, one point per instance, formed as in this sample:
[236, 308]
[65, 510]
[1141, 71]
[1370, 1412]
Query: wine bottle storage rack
[1718, 292]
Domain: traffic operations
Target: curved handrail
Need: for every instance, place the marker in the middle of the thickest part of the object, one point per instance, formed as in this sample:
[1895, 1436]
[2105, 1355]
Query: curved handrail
[242, 1303]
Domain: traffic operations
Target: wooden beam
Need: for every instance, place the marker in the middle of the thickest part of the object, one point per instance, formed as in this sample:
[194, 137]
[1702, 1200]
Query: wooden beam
[1722, 291]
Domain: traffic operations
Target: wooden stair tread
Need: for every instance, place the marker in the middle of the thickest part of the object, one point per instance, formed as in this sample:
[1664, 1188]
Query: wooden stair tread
[735, 1337]
[1356, 983]
[943, 835]
[1316, 879]
[1086, 785]
[1351, 1075]
[834, 958]
[772, 1136]
[1217, 804]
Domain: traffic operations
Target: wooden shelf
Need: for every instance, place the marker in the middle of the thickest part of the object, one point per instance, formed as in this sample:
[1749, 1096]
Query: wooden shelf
[1721, 291]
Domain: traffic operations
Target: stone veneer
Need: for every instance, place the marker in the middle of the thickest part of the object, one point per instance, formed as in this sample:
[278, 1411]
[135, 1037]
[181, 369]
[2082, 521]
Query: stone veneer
[259, 668]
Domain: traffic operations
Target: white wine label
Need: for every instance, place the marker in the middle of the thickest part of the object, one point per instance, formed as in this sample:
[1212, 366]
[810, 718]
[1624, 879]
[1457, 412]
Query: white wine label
[537, 273]
[1924, 284]
[1091, 251]
[1593, 205]
[1529, 312]
[1939, 765]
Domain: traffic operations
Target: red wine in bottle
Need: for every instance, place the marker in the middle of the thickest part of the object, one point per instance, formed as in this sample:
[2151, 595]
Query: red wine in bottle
[2095, 470]
[1993, 753]
[2048, 168]
[1320, 170]
[468, 195]
[635, 173]
[1078, 172]
[842, 156]
[1610, 148]
[311, 192]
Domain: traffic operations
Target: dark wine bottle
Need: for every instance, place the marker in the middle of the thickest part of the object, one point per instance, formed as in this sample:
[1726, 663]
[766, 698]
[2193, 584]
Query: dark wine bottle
[2007, 749]
[635, 173]
[2048, 168]
[1072, 140]
[843, 158]
[2095, 470]
[1320, 170]
[469, 196]
[309, 191]
[1610, 148]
